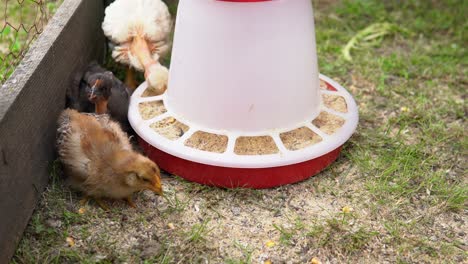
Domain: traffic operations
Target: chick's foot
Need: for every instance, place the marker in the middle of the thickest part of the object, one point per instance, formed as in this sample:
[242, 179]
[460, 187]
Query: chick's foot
[102, 204]
[84, 201]
[130, 201]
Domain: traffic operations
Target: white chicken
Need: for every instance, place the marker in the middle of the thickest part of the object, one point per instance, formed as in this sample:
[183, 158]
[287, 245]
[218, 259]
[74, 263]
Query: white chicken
[140, 30]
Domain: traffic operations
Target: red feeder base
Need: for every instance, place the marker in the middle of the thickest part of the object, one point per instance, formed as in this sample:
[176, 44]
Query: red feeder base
[258, 178]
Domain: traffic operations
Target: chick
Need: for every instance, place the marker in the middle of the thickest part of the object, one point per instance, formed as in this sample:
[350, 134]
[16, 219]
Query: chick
[99, 160]
[140, 30]
[99, 91]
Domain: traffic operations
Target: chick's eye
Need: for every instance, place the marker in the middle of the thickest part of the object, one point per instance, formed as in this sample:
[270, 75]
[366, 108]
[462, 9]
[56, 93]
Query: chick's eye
[146, 180]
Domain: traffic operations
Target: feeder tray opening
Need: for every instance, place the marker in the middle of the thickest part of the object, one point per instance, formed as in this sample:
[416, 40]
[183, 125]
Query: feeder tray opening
[328, 123]
[170, 128]
[335, 102]
[207, 142]
[299, 138]
[149, 110]
[261, 145]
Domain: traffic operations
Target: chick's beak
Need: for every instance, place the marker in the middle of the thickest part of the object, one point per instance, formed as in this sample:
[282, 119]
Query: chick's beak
[156, 188]
[92, 95]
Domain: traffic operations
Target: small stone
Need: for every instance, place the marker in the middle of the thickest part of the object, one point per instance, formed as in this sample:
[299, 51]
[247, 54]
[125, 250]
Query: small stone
[171, 226]
[263, 257]
[203, 260]
[99, 258]
[151, 249]
[235, 210]
[213, 245]
[53, 223]
[149, 218]
[149, 195]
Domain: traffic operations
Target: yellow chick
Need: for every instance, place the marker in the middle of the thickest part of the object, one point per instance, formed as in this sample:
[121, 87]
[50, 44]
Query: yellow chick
[99, 160]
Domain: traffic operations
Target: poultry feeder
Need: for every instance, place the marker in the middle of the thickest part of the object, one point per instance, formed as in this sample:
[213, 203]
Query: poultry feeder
[245, 105]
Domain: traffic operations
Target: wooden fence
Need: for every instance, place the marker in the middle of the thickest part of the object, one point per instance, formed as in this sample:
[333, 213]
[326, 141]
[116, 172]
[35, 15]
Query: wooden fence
[30, 102]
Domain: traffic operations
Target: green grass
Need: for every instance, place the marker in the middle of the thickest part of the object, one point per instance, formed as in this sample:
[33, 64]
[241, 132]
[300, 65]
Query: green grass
[198, 232]
[20, 25]
[175, 203]
[285, 234]
[404, 171]
[410, 145]
[246, 252]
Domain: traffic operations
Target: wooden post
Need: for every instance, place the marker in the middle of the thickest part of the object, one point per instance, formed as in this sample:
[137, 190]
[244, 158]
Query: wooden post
[30, 102]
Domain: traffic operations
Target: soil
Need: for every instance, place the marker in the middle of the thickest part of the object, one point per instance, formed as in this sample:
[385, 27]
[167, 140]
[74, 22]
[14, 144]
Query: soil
[150, 110]
[170, 128]
[335, 102]
[299, 138]
[207, 142]
[328, 123]
[261, 145]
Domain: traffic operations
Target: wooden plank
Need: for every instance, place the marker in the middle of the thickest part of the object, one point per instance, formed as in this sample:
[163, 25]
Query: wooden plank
[30, 102]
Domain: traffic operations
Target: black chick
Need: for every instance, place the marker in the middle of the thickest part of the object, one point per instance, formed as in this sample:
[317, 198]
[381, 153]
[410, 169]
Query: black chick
[99, 91]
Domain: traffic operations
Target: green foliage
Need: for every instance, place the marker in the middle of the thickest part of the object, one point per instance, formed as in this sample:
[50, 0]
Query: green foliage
[198, 232]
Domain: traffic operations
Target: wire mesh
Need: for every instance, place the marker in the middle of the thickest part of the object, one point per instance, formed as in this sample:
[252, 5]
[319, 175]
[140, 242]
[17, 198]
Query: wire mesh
[21, 21]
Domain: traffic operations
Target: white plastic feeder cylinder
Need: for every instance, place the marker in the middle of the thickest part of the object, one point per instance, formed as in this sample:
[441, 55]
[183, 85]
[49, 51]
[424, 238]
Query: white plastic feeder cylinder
[244, 66]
